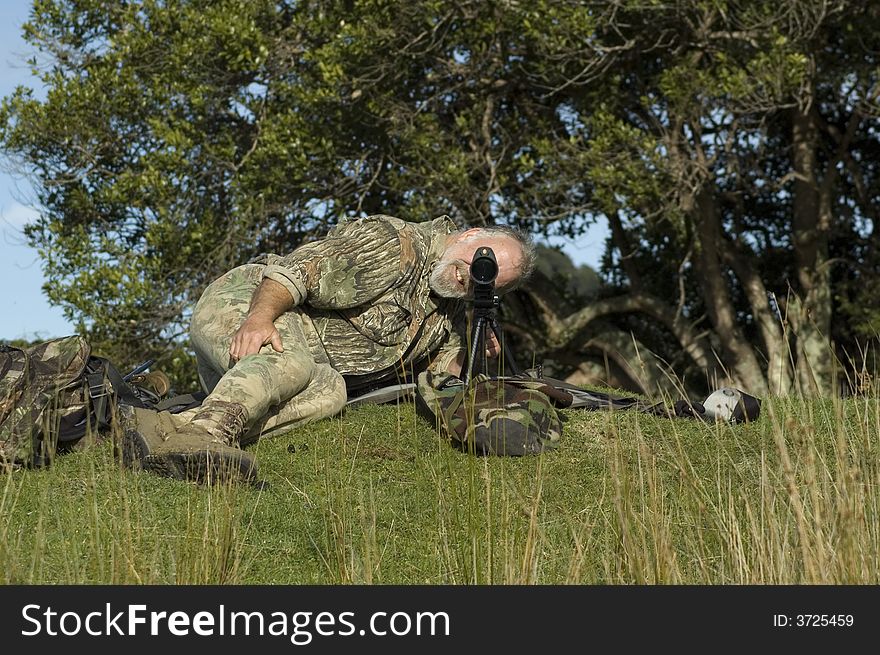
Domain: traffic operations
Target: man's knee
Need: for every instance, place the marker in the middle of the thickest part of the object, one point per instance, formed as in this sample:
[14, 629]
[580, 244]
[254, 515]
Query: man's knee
[328, 387]
[268, 376]
[324, 396]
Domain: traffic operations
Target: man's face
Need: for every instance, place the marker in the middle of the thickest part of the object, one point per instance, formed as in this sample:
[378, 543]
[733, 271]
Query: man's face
[451, 275]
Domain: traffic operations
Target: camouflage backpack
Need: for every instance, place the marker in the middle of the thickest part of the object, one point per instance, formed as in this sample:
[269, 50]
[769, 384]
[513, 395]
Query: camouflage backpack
[54, 393]
[512, 415]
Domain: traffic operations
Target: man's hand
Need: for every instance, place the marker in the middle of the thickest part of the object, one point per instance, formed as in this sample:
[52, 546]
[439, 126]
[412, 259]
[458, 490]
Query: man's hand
[270, 300]
[254, 333]
[493, 347]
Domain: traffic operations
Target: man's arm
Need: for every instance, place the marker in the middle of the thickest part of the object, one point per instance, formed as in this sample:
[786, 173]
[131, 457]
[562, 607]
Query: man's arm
[343, 270]
[349, 268]
[270, 301]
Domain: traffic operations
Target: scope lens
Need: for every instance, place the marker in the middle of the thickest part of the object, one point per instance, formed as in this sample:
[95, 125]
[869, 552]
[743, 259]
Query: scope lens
[484, 268]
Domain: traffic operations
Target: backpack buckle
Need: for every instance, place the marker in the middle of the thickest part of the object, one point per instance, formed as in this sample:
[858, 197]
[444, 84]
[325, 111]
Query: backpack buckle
[97, 386]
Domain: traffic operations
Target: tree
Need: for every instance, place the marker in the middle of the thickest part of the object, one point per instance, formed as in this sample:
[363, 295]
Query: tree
[759, 117]
[730, 146]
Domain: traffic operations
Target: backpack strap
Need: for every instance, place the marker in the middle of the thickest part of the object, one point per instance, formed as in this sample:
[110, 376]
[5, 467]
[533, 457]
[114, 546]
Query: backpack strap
[455, 402]
[100, 371]
[181, 403]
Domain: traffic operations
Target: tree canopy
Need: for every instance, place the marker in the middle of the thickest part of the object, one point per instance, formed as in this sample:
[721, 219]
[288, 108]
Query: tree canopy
[730, 145]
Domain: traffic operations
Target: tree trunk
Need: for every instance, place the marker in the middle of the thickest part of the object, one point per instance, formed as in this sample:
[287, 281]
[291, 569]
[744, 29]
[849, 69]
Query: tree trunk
[773, 333]
[738, 354]
[810, 311]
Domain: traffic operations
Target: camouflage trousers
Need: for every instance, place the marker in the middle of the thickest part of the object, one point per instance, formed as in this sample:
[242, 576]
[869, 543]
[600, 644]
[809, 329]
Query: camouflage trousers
[279, 390]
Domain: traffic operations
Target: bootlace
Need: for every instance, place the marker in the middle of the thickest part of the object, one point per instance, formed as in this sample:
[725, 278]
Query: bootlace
[225, 421]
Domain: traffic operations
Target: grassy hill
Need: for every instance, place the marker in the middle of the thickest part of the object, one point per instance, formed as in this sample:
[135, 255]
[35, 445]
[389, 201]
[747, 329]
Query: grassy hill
[375, 497]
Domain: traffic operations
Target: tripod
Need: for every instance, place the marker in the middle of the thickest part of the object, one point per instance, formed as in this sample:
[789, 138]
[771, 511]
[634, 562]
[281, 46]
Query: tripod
[485, 305]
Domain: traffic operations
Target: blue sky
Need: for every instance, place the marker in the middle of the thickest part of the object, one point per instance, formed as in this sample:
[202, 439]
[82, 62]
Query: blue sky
[25, 311]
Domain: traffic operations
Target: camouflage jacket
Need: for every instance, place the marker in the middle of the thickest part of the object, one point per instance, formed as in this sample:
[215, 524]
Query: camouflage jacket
[363, 291]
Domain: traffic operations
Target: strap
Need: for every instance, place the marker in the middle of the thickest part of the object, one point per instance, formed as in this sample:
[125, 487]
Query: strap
[448, 412]
[181, 402]
[125, 394]
[98, 372]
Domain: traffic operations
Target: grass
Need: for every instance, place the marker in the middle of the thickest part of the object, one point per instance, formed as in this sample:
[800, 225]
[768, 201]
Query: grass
[375, 497]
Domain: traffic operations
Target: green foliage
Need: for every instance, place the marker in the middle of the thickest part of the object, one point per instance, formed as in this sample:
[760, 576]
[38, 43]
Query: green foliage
[178, 139]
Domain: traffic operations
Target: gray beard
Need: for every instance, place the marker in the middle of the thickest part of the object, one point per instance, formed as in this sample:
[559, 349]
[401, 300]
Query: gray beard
[442, 280]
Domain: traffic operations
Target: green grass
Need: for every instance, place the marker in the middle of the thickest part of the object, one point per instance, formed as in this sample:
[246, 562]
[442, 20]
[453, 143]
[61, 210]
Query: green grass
[375, 497]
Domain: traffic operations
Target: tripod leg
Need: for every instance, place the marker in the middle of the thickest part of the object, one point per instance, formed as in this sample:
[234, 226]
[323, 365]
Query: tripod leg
[477, 348]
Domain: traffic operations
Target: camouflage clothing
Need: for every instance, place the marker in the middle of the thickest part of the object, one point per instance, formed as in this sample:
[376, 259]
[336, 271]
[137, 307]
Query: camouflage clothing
[364, 316]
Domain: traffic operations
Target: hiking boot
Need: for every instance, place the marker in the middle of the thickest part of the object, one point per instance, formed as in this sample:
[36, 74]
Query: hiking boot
[223, 420]
[152, 442]
[191, 453]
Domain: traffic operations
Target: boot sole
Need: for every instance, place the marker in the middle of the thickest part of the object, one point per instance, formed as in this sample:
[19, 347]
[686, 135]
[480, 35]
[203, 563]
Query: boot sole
[205, 467]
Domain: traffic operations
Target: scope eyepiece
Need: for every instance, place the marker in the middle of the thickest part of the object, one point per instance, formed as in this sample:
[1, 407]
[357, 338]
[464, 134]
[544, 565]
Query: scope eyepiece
[484, 267]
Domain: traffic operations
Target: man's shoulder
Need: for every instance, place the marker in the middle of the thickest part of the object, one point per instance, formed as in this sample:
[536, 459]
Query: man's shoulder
[441, 224]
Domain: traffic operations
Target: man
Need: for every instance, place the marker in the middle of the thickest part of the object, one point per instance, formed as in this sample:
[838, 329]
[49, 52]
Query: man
[283, 340]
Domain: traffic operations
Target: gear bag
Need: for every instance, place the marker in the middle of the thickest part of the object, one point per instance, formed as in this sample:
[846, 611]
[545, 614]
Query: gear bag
[54, 393]
[512, 415]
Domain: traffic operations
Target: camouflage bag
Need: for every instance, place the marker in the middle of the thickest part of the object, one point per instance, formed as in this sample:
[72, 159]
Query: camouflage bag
[52, 394]
[512, 415]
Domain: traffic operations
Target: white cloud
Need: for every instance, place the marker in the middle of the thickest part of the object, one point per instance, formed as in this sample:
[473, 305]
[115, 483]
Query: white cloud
[16, 215]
